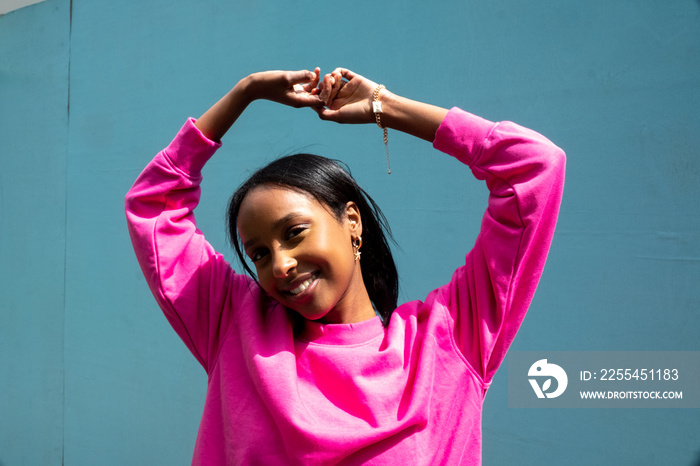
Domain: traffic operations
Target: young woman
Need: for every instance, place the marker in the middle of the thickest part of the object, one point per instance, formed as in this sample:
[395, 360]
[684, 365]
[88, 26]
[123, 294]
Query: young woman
[314, 363]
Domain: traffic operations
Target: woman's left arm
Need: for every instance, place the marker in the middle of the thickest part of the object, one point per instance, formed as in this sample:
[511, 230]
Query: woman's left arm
[488, 297]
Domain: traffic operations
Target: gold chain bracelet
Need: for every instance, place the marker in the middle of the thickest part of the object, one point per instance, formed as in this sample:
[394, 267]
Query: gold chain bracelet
[377, 109]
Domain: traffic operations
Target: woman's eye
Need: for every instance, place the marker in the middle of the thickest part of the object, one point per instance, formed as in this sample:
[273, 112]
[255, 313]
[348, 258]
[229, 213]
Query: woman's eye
[257, 255]
[295, 231]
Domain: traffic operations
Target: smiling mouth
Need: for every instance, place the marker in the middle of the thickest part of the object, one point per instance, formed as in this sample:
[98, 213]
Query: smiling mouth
[302, 286]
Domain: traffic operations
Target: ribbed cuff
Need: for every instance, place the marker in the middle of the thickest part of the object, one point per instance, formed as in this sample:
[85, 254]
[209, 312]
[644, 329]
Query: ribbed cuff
[190, 149]
[462, 135]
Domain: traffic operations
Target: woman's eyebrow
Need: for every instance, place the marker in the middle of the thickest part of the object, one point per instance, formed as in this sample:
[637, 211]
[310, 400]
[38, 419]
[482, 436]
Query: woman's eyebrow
[281, 221]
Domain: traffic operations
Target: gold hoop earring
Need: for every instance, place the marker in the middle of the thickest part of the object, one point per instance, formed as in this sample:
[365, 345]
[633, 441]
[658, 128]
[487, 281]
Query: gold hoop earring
[356, 245]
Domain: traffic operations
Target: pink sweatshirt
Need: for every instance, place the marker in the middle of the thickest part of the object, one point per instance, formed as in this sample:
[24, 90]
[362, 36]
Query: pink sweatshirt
[411, 393]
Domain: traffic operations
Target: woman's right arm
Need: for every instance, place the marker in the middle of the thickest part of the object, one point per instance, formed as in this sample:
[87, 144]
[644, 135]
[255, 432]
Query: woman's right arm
[192, 282]
[177, 262]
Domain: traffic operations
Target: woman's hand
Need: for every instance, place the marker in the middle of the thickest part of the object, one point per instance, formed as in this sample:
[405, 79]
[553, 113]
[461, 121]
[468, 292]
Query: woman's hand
[347, 97]
[294, 88]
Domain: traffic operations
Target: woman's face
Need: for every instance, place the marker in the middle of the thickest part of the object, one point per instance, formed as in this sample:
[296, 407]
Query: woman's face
[303, 254]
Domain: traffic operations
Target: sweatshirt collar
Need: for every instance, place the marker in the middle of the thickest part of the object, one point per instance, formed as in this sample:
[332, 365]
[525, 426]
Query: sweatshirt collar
[342, 334]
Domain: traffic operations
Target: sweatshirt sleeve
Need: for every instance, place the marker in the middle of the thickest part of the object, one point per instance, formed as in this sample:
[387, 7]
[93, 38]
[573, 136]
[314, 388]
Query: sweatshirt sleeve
[190, 281]
[488, 296]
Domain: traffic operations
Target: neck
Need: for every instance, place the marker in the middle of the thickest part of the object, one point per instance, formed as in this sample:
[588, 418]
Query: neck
[355, 306]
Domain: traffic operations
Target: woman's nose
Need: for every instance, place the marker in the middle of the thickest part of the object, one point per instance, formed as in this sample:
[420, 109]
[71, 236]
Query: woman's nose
[282, 263]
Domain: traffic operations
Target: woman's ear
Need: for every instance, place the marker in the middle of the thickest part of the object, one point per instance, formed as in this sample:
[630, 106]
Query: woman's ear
[352, 215]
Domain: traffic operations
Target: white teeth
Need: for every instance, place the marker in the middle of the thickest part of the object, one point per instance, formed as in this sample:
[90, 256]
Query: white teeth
[304, 285]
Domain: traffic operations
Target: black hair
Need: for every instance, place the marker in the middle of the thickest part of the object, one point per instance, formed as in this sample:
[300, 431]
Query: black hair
[331, 185]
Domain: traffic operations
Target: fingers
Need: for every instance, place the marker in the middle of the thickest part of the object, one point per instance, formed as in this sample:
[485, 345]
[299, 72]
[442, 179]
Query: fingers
[346, 73]
[311, 79]
[326, 88]
[331, 85]
[311, 86]
[304, 80]
[337, 84]
[305, 99]
[305, 87]
[308, 88]
[326, 114]
[303, 76]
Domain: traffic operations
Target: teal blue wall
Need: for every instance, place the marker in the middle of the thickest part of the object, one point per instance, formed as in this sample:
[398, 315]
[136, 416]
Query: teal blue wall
[91, 373]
